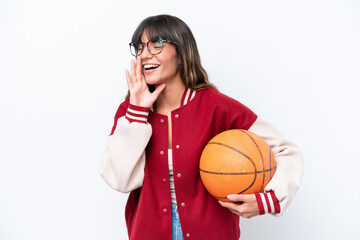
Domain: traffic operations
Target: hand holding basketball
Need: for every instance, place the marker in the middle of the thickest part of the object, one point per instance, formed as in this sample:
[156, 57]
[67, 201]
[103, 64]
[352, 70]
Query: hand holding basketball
[243, 205]
[139, 90]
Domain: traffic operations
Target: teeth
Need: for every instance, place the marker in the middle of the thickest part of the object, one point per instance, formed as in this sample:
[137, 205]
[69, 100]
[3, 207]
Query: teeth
[147, 66]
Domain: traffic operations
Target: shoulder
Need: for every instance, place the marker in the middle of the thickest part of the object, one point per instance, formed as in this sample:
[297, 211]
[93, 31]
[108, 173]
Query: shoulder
[227, 108]
[220, 99]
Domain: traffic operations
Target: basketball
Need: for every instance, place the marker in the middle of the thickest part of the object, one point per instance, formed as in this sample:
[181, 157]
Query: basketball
[236, 162]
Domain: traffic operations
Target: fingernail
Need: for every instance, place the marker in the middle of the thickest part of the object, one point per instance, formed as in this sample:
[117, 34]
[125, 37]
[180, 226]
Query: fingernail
[230, 197]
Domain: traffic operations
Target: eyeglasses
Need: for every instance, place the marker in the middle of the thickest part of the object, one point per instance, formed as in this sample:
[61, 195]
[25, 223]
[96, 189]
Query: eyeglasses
[154, 47]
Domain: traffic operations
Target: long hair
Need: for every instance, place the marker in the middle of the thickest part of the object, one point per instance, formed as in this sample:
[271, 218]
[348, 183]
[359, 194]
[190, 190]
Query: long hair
[171, 28]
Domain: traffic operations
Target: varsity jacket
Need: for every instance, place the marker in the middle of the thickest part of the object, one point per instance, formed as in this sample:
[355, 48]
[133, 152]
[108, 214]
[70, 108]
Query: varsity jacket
[135, 161]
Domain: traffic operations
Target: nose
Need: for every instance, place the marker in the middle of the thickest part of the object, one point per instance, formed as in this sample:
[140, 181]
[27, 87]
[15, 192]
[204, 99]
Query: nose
[146, 54]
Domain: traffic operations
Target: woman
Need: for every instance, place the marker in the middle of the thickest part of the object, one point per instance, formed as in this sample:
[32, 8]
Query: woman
[159, 132]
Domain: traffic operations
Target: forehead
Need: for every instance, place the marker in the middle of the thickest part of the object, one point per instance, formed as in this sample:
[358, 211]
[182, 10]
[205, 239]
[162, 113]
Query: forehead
[152, 33]
[144, 37]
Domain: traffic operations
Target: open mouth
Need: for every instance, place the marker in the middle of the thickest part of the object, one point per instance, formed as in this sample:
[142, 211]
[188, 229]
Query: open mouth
[150, 67]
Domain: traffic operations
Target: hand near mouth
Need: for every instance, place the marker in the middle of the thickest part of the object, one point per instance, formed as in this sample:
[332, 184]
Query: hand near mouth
[140, 94]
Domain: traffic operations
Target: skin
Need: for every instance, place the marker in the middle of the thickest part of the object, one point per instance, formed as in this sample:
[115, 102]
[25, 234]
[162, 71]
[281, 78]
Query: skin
[244, 205]
[167, 95]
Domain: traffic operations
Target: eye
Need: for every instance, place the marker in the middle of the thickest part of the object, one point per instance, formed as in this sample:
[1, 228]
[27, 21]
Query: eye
[157, 44]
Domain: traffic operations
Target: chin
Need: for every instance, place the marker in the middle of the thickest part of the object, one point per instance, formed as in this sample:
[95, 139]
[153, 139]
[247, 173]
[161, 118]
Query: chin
[152, 81]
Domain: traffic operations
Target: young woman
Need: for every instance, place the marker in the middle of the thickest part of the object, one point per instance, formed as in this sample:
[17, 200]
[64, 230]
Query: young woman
[159, 132]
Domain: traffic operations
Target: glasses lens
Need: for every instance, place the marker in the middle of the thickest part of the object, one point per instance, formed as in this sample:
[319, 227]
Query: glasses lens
[155, 46]
[136, 48]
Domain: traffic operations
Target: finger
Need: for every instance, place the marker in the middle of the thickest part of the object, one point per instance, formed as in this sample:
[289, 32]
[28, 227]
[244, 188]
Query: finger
[230, 206]
[158, 90]
[235, 212]
[234, 208]
[238, 197]
[139, 74]
[128, 80]
[133, 73]
[248, 216]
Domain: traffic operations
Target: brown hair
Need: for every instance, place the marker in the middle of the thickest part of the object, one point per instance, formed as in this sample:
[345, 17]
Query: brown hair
[171, 28]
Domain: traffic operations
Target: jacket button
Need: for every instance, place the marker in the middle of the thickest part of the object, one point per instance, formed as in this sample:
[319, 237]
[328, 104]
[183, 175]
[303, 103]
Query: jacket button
[162, 120]
[163, 180]
[176, 115]
[178, 175]
[177, 146]
[183, 204]
[165, 210]
[188, 234]
[162, 152]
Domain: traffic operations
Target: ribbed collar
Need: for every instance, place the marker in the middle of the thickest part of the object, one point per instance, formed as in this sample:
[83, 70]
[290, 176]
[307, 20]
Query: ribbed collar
[187, 96]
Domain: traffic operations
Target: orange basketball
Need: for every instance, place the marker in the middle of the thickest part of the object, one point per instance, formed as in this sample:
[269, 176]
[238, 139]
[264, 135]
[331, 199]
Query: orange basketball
[236, 161]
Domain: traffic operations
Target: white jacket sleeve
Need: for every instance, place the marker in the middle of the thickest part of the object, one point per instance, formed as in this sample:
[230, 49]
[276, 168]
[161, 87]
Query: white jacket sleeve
[123, 162]
[289, 164]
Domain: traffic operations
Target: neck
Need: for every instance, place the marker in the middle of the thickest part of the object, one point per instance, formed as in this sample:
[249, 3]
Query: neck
[170, 97]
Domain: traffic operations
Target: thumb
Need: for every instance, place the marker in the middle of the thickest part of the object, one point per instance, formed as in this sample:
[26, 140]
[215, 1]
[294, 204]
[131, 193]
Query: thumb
[237, 197]
[158, 90]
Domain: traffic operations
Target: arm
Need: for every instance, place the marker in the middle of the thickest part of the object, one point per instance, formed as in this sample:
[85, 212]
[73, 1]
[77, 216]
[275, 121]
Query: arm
[289, 168]
[122, 165]
[123, 162]
[282, 188]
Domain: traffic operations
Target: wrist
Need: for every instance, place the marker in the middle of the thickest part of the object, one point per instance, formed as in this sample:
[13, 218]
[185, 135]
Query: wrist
[267, 202]
[138, 102]
[137, 113]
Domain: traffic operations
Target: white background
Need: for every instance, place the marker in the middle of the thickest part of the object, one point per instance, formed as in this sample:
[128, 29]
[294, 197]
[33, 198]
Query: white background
[294, 63]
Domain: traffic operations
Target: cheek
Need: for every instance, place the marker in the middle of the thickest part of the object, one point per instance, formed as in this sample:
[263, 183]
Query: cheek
[172, 65]
[171, 60]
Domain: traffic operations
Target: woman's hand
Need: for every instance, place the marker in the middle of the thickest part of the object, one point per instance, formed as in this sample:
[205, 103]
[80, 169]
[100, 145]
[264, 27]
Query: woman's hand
[139, 90]
[244, 205]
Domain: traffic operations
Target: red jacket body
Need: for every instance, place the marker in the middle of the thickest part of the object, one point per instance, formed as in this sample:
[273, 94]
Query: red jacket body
[148, 210]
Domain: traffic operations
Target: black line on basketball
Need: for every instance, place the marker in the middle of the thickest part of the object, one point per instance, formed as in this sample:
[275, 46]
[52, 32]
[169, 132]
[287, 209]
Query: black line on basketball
[234, 174]
[220, 197]
[262, 159]
[242, 173]
[243, 154]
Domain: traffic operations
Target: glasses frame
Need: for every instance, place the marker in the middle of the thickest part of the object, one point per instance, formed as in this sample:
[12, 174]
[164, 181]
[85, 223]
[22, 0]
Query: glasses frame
[147, 46]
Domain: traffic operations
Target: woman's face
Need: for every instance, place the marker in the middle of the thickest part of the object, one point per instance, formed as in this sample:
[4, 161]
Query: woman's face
[167, 62]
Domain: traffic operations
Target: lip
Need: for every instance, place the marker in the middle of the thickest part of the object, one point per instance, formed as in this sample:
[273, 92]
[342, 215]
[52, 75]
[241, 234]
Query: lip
[150, 70]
